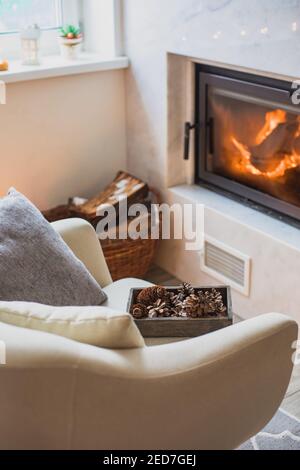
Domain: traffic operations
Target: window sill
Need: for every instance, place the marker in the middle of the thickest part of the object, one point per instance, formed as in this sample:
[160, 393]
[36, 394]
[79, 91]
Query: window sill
[56, 66]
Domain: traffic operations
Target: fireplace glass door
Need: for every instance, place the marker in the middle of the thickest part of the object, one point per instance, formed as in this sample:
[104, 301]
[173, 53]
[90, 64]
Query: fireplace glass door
[250, 142]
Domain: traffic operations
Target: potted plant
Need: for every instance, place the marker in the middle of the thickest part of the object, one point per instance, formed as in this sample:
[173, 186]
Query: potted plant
[70, 41]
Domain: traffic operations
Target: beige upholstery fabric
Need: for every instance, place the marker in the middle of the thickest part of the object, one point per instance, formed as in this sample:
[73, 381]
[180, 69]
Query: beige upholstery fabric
[80, 236]
[212, 392]
[98, 326]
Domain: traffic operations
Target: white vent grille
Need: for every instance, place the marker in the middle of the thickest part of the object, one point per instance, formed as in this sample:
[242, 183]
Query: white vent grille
[227, 265]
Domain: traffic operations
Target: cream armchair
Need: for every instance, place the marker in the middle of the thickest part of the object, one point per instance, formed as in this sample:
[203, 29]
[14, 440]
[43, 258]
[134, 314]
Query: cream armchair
[212, 392]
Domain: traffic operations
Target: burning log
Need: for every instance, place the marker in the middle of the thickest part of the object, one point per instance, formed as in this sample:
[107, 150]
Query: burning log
[276, 146]
[297, 145]
[276, 150]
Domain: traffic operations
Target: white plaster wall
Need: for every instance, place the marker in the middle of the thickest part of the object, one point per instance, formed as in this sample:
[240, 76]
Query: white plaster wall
[189, 27]
[261, 34]
[275, 265]
[63, 136]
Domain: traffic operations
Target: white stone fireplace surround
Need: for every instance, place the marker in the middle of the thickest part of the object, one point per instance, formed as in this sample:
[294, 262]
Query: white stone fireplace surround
[164, 40]
[273, 246]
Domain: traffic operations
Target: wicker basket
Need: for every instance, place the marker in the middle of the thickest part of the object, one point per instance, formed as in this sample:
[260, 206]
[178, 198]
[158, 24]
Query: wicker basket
[125, 258]
[128, 258]
[132, 258]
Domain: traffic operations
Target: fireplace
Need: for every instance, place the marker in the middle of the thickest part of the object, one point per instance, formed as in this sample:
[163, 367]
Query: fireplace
[248, 140]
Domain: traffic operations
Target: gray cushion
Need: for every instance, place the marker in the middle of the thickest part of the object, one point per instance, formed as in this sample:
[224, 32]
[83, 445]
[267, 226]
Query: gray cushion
[35, 263]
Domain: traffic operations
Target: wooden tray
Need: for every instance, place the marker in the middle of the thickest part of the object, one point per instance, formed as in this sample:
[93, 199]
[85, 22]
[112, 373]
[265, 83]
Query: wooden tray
[183, 327]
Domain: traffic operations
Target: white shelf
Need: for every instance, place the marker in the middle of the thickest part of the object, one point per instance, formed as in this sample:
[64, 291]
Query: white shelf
[56, 66]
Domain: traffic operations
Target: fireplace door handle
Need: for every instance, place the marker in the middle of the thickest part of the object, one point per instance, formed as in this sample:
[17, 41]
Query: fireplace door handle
[211, 135]
[188, 127]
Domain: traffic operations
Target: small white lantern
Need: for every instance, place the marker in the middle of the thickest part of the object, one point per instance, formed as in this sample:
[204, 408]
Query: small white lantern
[30, 38]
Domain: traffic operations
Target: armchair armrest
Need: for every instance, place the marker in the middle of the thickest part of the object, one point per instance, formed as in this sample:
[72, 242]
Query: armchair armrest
[211, 392]
[80, 236]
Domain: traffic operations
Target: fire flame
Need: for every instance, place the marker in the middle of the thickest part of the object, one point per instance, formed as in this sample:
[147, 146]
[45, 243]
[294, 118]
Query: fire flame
[273, 119]
[288, 161]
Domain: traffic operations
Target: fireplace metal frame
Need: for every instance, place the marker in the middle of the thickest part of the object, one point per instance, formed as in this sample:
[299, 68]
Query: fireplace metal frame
[275, 92]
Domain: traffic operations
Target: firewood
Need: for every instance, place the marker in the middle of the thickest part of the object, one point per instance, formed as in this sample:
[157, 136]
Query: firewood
[123, 186]
[297, 145]
[268, 155]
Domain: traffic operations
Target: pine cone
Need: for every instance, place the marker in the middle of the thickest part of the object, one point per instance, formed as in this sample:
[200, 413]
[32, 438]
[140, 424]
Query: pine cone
[211, 303]
[169, 309]
[217, 300]
[162, 293]
[139, 311]
[158, 309]
[150, 295]
[176, 302]
[186, 290]
[147, 296]
[191, 306]
[177, 299]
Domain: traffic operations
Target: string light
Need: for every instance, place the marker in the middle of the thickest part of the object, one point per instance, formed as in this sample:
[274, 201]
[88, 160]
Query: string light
[264, 30]
[294, 26]
[217, 35]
